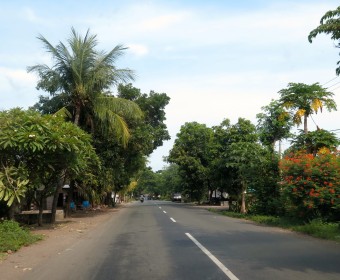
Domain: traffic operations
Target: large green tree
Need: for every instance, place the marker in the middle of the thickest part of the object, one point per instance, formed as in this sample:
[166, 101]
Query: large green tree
[191, 153]
[122, 164]
[329, 24]
[36, 152]
[84, 75]
[304, 100]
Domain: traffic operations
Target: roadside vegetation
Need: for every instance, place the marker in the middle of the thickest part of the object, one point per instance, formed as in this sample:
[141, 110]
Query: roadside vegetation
[317, 227]
[298, 188]
[13, 237]
[94, 131]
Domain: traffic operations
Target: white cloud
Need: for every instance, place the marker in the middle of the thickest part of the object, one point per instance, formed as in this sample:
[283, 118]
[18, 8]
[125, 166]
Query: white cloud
[17, 88]
[29, 14]
[138, 49]
[17, 78]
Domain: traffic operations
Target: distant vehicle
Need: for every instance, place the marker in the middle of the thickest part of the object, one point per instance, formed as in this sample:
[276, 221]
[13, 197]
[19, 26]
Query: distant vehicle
[177, 197]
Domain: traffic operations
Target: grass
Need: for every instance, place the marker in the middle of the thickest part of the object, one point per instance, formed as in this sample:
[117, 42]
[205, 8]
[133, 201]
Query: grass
[13, 237]
[316, 228]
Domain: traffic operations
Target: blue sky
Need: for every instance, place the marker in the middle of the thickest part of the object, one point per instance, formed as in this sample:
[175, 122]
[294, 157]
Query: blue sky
[214, 59]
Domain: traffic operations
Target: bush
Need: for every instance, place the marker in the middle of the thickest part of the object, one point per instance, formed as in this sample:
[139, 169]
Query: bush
[13, 237]
[312, 185]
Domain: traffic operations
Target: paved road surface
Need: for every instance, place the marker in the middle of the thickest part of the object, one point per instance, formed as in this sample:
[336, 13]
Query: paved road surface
[164, 240]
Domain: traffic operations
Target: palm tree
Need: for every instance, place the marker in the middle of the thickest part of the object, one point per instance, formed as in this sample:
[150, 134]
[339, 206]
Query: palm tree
[304, 100]
[86, 75]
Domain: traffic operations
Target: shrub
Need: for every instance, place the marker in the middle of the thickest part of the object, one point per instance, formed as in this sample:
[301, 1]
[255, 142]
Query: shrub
[312, 184]
[12, 236]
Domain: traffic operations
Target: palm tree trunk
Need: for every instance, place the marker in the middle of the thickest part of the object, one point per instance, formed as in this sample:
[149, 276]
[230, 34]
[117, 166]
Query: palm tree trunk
[305, 130]
[77, 115]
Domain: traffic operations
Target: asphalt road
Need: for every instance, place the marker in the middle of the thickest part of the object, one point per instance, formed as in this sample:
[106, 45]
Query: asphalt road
[164, 240]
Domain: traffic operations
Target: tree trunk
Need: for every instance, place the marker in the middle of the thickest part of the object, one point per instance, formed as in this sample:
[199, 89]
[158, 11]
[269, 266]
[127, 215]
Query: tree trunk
[305, 129]
[11, 211]
[243, 203]
[55, 202]
[114, 199]
[77, 115]
[41, 209]
[59, 187]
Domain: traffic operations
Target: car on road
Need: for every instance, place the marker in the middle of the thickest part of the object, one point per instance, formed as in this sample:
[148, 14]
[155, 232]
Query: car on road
[177, 197]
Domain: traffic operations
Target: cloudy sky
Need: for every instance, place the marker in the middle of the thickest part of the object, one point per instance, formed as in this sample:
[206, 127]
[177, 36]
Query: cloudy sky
[214, 59]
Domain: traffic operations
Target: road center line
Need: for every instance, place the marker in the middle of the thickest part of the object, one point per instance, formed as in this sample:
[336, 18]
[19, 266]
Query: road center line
[172, 219]
[225, 270]
[164, 212]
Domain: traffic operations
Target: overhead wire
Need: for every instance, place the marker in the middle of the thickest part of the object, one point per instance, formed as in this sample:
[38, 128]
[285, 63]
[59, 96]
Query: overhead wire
[330, 80]
[334, 85]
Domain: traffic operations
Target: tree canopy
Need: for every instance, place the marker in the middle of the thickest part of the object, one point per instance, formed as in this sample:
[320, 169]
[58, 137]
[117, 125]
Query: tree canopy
[329, 24]
[83, 76]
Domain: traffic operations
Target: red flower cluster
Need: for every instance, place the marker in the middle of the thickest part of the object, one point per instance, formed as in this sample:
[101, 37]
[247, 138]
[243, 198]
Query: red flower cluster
[312, 182]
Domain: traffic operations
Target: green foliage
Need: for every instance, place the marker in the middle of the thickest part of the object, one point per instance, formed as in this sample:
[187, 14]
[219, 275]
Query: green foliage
[191, 153]
[80, 79]
[273, 124]
[313, 141]
[150, 131]
[13, 237]
[35, 150]
[329, 24]
[304, 100]
[148, 183]
[263, 193]
[311, 184]
[320, 229]
[13, 184]
[120, 164]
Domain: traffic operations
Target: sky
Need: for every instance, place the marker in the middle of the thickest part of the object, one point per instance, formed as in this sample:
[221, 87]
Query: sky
[215, 59]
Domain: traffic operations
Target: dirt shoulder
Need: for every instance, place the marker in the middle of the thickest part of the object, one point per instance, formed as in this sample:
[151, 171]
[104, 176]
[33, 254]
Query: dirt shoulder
[57, 238]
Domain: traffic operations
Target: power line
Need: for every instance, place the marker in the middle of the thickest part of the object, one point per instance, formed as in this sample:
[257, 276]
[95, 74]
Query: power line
[335, 88]
[330, 81]
[333, 85]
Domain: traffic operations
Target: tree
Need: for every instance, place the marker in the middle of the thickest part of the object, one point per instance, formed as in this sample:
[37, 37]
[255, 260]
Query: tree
[153, 108]
[329, 24]
[170, 181]
[238, 155]
[313, 141]
[245, 157]
[273, 125]
[304, 100]
[191, 153]
[84, 75]
[37, 151]
[147, 134]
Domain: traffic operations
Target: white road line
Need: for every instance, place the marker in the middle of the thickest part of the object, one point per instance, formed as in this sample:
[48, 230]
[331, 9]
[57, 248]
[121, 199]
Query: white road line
[164, 212]
[160, 207]
[172, 219]
[226, 271]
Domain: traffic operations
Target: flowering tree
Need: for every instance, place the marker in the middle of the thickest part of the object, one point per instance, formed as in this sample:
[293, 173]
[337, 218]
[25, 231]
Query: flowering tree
[37, 151]
[312, 184]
